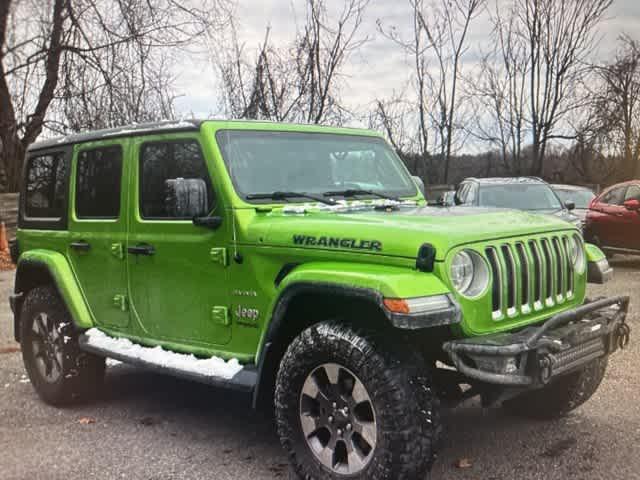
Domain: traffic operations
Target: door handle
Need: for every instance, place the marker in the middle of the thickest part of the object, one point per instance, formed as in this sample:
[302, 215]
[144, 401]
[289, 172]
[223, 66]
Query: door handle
[80, 246]
[141, 250]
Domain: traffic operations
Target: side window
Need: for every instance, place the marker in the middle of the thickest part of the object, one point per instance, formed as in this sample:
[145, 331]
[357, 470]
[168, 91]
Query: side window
[461, 193]
[473, 193]
[46, 184]
[98, 181]
[633, 193]
[174, 181]
[614, 197]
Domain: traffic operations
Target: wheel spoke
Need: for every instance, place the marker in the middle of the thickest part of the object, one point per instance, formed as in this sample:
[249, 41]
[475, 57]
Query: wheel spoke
[354, 460]
[309, 425]
[326, 456]
[359, 393]
[41, 325]
[311, 388]
[367, 431]
[333, 372]
[56, 363]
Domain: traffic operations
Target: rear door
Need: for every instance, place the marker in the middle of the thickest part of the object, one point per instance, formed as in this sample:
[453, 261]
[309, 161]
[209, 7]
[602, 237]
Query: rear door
[606, 224]
[97, 225]
[177, 270]
[630, 225]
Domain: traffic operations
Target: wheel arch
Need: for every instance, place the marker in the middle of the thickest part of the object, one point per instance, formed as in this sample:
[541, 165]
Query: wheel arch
[43, 267]
[305, 303]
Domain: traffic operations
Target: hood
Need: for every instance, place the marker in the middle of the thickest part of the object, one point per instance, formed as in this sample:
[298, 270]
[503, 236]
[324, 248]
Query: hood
[397, 232]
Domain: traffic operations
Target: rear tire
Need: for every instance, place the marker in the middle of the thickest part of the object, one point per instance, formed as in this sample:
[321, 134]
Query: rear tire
[351, 405]
[562, 396]
[59, 371]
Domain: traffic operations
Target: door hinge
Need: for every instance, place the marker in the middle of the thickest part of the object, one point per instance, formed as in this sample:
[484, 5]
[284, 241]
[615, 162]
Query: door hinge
[220, 315]
[219, 255]
[117, 250]
[120, 301]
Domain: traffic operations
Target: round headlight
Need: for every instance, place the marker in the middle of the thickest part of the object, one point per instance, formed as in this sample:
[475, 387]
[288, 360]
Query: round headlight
[576, 253]
[469, 273]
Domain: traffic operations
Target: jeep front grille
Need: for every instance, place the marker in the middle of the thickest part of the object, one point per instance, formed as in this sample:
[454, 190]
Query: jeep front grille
[530, 275]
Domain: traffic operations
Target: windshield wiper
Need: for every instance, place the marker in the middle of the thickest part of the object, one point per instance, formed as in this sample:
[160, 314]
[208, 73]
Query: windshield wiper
[353, 192]
[286, 195]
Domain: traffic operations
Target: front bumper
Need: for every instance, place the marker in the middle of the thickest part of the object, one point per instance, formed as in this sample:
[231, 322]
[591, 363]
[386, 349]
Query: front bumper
[535, 355]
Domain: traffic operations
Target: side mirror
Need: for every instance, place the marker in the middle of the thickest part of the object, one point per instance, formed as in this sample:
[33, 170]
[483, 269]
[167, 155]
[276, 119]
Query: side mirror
[186, 198]
[420, 184]
[633, 205]
[212, 223]
[569, 205]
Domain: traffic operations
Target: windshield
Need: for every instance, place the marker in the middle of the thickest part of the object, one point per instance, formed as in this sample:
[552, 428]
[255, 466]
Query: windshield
[519, 196]
[264, 162]
[581, 198]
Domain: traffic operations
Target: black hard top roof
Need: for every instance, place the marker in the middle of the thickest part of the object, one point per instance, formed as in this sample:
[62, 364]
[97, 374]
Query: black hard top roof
[124, 131]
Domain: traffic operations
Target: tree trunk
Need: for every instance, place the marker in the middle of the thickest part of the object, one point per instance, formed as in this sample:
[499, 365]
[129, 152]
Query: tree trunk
[12, 158]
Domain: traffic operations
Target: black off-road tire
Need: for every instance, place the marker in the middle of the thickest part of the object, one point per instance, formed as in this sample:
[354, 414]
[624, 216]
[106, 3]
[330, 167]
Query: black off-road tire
[407, 418]
[81, 374]
[561, 396]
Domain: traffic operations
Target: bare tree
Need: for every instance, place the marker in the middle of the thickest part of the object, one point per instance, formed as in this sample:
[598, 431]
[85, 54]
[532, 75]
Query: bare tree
[437, 47]
[500, 91]
[38, 42]
[560, 36]
[296, 82]
[614, 117]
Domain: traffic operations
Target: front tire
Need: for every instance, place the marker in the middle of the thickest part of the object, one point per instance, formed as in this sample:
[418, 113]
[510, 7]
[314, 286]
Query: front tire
[350, 405]
[562, 396]
[59, 371]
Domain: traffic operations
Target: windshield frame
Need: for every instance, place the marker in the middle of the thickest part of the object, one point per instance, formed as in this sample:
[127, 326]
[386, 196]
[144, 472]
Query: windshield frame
[559, 207]
[374, 139]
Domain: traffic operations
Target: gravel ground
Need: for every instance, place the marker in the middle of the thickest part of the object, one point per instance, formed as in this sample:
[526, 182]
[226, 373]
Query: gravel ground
[150, 427]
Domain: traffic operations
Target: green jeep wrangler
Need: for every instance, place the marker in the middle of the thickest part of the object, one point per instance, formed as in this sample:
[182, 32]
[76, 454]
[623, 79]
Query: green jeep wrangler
[302, 265]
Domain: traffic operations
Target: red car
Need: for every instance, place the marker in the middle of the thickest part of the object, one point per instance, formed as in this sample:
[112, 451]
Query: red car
[613, 219]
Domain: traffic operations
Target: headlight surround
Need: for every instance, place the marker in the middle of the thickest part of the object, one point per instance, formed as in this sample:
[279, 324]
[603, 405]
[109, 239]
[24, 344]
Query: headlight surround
[469, 273]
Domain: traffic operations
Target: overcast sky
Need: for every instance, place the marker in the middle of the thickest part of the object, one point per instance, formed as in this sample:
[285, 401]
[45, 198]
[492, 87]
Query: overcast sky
[377, 69]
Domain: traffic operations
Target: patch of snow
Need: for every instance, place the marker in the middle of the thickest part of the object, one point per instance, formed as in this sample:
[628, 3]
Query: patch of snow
[112, 362]
[210, 367]
[24, 380]
[294, 209]
[346, 206]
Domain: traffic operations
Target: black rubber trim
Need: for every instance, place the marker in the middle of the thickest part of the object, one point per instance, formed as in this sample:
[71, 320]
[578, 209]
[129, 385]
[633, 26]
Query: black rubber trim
[244, 380]
[595, 274]
[286, 269]
[408, 322]
[17, 298]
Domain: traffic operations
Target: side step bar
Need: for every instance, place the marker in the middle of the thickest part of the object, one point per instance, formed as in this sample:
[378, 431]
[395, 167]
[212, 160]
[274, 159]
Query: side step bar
[244, 379]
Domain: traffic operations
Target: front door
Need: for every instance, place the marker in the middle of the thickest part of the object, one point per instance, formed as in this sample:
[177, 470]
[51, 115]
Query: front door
[177, 270]
[97, 225]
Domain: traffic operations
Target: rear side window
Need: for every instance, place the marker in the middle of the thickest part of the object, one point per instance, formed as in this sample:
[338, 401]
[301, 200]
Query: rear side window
[46, 185]
[169, 167]
[98, 180]
[633, 193]
[614, 196]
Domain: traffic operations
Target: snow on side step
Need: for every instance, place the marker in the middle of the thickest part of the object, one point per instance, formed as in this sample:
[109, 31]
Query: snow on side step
[208, 367]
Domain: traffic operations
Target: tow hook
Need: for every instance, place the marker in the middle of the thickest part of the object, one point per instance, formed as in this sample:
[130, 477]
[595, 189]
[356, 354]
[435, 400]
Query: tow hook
[623, 332]
[546, 368]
